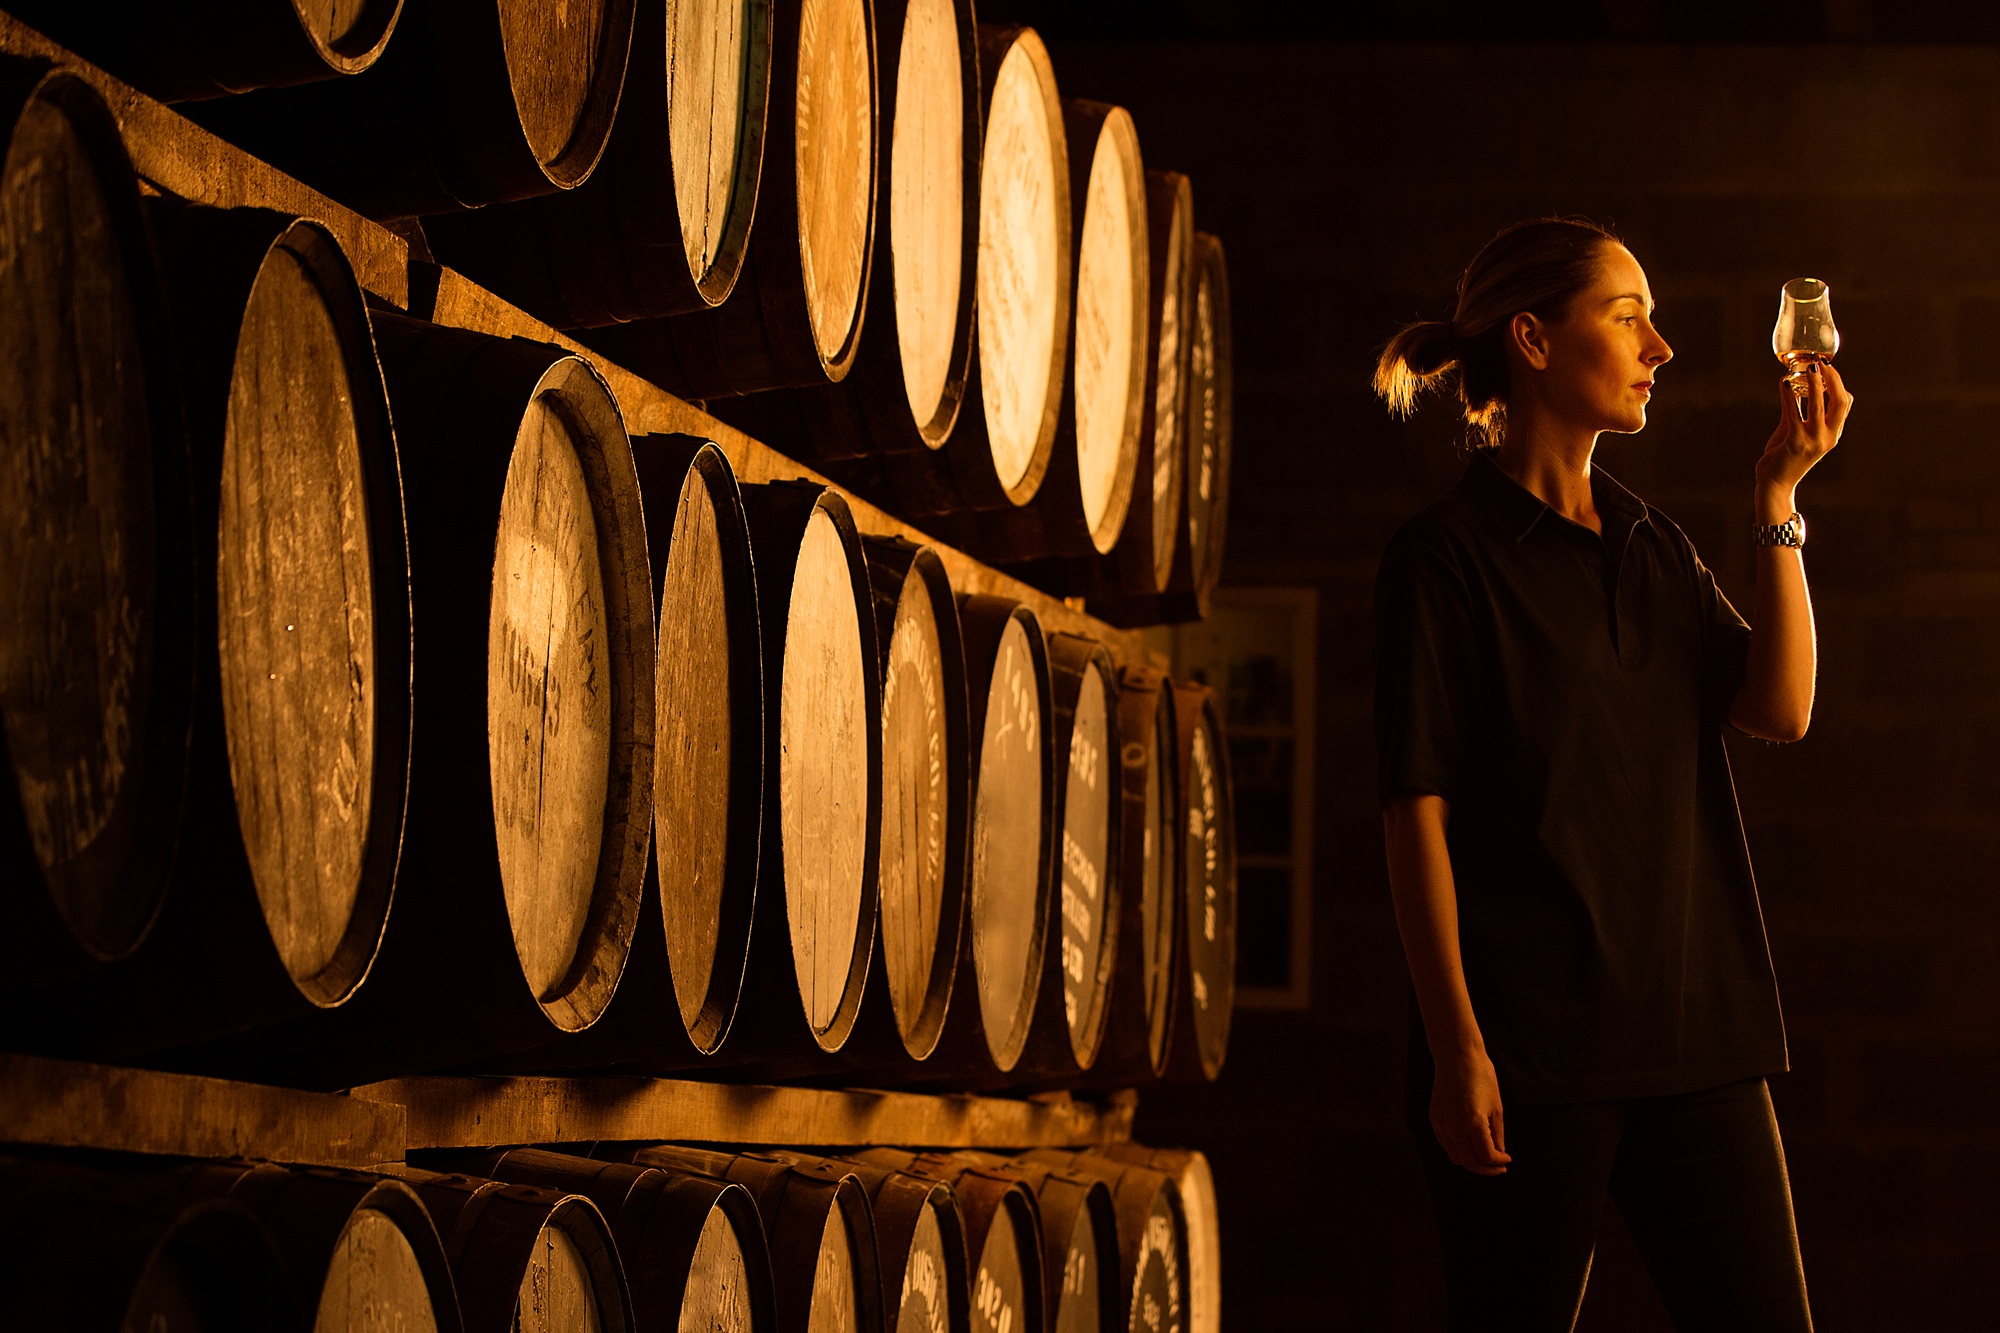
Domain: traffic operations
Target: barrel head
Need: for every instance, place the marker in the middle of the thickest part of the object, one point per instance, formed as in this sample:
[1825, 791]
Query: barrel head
[1159, 898]
[1079, 1298]
[1170, 232]
[922, 859]
[1110, 337]
[566, 64]
[999, 1287]
[720, 1295]
[1024, 265]
[1208, 882]
[312, 596]
[214, 1271]
[1159, 1278]
[834, 167]
[718, 53]
[569, 702]
[828, 771]
[374, 1282]
[709, 739]
[85, 643]
[1211, 415]
[1010, 838]
[549, 715]
[1090, 800]
[927, 213]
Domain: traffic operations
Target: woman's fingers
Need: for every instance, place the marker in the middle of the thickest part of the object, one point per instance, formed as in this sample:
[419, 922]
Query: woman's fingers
[1815, 399]
[1840, 401]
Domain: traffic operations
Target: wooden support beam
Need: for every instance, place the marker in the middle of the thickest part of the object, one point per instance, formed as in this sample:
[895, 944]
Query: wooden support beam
[69, 1104]
[496, 1112]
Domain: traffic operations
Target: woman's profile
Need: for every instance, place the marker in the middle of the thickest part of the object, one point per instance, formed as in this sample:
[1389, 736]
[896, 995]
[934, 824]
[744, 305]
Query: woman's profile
[1597, 1012]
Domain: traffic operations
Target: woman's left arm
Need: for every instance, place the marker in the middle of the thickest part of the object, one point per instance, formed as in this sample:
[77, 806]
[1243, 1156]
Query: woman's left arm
[1776, 700]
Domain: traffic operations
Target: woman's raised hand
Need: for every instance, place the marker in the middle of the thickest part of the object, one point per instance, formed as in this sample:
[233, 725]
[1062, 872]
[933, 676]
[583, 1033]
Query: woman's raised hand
[1466, 1114]
[1796, 445]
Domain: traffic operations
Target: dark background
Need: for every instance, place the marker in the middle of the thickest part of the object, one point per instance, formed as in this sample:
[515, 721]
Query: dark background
[1352, 159]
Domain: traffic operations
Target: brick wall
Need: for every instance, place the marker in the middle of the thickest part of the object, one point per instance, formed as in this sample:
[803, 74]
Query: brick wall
[1349, 184]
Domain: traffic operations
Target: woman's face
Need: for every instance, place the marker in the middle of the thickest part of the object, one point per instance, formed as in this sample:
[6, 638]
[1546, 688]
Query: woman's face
[1596, 365]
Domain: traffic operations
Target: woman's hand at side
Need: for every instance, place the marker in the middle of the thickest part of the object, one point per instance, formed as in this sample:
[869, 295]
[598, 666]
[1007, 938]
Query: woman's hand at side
[1466, 1114]
[1465, 1095]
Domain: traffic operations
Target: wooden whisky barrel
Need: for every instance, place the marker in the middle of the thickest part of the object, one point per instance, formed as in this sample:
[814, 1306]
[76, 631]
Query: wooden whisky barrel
[1142, 562]
[663, 223]
[1152, 1238]
[821, 1233]
[102, 1251]
[909, 376]
[1211, 415]
[1191, 1172]
[1079, 1242]
[361, 1250]
[1139, 1021]
[999, 450]
[525, 1259]
[297, 476]
[476, 102]
[691, 1246]
[1079, 509]
[1207, 984]
[919, 1250]
[1086, 900]
[797, 321]
[816, 898]
[926, 795]
[96, 657]
[183, 50]
[1013, 830]
[709, 748]
[1003, 1240]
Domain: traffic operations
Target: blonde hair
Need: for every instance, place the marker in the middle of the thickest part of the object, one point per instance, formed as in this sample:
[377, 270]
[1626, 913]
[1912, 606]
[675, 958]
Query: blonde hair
[1538, 267]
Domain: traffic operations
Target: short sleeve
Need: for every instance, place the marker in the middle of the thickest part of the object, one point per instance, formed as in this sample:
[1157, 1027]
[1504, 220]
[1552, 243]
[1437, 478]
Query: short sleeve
[1725, 646]
[1427, 671]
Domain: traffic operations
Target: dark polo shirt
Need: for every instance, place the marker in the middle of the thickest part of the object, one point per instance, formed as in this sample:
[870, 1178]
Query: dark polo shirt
[1566, 694]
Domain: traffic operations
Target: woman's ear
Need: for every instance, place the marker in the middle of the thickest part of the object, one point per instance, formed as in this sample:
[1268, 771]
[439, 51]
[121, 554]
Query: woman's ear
[1527, 336]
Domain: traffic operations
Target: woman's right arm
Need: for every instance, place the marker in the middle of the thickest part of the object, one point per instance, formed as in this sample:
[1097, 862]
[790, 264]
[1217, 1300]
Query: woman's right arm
[1465, 1095]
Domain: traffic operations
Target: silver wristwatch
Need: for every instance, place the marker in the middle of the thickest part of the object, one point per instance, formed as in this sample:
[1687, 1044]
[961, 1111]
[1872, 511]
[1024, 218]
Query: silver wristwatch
[1792, 532]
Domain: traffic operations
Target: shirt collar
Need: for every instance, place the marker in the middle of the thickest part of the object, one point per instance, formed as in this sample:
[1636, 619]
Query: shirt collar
[1518, 509]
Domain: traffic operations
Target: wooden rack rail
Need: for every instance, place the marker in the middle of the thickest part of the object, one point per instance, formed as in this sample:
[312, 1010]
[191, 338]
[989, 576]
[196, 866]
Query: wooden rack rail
[69, 1104]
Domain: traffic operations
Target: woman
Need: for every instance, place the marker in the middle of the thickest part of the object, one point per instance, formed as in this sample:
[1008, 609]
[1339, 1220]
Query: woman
[1597, 1012]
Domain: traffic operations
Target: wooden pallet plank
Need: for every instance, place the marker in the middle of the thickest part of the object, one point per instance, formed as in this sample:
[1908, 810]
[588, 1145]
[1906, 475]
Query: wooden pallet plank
[495, 1112]
[70, 1104]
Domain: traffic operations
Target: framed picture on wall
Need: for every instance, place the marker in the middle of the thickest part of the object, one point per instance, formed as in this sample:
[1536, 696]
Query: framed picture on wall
[1256, 651]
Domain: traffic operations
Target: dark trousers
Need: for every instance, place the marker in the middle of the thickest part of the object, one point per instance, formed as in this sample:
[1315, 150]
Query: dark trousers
[1699, 1179]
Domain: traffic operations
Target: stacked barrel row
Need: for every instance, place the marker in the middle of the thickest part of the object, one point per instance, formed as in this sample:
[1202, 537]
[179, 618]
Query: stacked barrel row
[632, 1239]
[873, 233]
[374, 703]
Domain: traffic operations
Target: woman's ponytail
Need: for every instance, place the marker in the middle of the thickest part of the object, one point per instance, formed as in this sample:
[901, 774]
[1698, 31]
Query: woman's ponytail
[1416, 359]
[1536, 267]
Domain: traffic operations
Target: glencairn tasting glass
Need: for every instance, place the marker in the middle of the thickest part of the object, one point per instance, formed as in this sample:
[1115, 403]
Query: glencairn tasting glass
[1805, 334]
